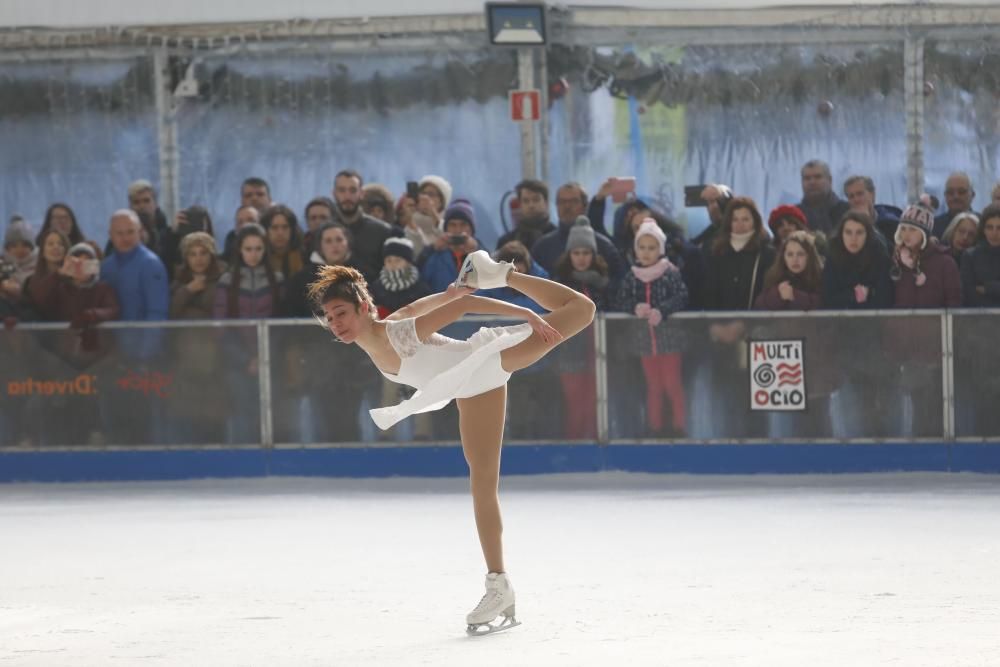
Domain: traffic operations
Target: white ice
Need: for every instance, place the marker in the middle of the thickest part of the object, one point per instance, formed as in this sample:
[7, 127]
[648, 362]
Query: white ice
[609, 569]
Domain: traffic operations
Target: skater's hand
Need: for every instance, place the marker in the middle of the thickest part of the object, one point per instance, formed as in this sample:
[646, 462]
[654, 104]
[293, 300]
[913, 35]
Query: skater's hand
[548, 333]
[642, 310]
[655, 316]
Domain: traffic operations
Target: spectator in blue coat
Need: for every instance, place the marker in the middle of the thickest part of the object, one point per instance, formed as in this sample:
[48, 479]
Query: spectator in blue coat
[444, 258]
[135, 272]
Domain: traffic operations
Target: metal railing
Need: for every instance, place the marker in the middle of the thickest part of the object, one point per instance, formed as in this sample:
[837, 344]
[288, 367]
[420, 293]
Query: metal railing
[872, 376]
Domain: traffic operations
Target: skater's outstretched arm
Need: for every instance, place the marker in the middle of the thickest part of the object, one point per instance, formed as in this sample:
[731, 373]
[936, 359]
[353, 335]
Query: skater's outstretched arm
[431, 302]
[440, 317]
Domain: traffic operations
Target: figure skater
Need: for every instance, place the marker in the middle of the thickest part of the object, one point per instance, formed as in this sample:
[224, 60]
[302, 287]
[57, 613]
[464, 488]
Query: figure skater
[406, 348]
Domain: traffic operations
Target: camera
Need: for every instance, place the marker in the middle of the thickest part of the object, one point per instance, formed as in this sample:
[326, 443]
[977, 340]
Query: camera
[457, 239]
[7, 268]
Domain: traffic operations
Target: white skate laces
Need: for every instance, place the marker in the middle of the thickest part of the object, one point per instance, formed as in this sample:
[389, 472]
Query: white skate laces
[479, 271]
[498, 601]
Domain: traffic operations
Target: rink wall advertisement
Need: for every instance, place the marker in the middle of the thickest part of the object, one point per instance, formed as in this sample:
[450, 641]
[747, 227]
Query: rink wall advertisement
[777, 375]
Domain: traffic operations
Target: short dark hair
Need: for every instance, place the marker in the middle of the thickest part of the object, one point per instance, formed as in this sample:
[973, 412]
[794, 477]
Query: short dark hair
[349, 173]
[578, 187]
[533, 185]
[851, 180]
[991, 211]
[811, 164]
[256, 182]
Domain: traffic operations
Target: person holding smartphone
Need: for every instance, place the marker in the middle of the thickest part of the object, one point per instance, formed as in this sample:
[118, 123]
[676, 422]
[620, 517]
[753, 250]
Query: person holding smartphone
[457, 241]
[75, 293]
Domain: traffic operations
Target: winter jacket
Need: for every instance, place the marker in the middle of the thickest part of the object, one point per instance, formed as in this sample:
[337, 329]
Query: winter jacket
[729, 277]
[981, 267]
[943, 286]
[256, 298]
[368, 234]
[549, 248]
[140, 283]
[841, 275]
[389, 301]
[288, 263]
[669, 295]
[440, 268]
[185, 305]
[23, 268]
[59, 299]
[886, 221]
[825, 214]
[770, 299]
[527, 232]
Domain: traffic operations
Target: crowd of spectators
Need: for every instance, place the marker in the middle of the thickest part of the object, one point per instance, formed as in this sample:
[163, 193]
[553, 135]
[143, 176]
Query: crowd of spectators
[825, 252]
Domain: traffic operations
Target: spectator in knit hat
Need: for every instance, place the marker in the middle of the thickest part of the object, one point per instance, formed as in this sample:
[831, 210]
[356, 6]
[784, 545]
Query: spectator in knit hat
[399, 282]
[377, 201]
[653, 290]
[741, 254]
[426, 218]
[961, 234]
[787, 219]
[821, 205]
[192, 295]
[571, 204]
[20, 255]
[534, 221]
[958, 196]
[458, 239]
[582, 267]
[860, 193]
[368, 234]
[794, 281]
[981, 264]
[62, 218]
[925, 274]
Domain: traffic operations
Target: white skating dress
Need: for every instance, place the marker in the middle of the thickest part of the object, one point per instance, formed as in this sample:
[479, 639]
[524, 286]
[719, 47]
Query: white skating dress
[442, 368]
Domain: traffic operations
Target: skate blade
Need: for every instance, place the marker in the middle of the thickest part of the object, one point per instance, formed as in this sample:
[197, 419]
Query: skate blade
[483, 629]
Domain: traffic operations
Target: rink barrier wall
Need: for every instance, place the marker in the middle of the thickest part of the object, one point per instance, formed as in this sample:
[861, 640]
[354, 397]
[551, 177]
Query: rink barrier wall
[942, 452]
[523, 459]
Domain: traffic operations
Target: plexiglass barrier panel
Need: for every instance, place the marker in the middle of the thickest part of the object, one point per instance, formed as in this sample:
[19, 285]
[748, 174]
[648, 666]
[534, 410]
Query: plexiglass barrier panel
[977, 375]
[322, 391]
[129, 387]
[864, 377]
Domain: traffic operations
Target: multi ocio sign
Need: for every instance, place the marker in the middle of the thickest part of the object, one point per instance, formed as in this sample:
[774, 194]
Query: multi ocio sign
[777, 375]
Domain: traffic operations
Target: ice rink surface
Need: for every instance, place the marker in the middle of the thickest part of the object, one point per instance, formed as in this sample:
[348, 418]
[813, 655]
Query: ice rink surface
[609, 569]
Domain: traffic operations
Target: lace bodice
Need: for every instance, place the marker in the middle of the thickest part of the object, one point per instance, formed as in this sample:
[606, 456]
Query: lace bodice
[403, 337]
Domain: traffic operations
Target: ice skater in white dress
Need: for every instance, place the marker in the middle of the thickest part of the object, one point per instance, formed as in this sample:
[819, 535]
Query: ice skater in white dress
[406, 348]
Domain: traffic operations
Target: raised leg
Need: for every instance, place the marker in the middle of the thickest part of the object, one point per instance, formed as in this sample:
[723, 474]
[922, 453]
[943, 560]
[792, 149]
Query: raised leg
[480, 423]
[571, 312]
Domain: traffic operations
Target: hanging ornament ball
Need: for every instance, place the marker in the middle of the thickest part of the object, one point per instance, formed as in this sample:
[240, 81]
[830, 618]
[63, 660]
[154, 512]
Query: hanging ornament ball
[825, 108]
[929, 88]
[641, 109]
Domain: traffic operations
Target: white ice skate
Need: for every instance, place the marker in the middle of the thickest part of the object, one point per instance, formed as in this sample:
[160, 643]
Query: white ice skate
[498, 601]
[481, 272]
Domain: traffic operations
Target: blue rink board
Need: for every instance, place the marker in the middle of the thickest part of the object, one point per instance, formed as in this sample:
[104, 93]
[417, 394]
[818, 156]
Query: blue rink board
[447, 461]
